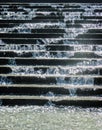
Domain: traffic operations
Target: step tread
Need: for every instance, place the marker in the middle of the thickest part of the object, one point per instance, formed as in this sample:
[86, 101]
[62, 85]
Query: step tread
[54, 98]
[50, 76]
[52, 86]
[46, 66]
[62, 59]
[28, 50]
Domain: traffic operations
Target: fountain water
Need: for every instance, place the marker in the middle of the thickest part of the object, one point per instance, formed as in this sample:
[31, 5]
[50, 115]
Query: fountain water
[51, 54]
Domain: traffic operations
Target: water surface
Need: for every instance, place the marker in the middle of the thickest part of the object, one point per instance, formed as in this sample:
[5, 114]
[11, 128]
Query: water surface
[50, 118]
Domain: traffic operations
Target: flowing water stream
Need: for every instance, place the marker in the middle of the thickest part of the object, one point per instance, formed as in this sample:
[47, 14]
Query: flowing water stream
[51, 55]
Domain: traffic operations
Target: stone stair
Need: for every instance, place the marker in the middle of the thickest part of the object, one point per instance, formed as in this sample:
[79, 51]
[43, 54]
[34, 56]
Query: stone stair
[51, 54]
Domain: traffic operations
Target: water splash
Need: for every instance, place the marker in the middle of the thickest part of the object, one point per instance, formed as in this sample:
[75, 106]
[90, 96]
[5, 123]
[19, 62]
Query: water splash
[72, 92]
[12, 62]
[5, 81]
[74, 81]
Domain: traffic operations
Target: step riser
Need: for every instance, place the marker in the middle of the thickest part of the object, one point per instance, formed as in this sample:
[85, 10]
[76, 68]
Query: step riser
[52, 54]
[51, 71]
[86, 36]
[50, 62]
[50, 91]
[83, 49]
[51, 80]
[85, 104]
[52, 41]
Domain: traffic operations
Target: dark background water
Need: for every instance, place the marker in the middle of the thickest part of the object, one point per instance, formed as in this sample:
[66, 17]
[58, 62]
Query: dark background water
[54, 1]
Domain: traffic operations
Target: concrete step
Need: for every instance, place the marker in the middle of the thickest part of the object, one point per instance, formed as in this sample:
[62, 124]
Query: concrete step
[90, 36]
[46, 35]
[51, 79]
[59, 86]
[50, 61]
[85, 21]
[51, 54]
[97, 71]
[54, 35]
[27, 17]
[22, 21]
[34, 31]
[43, 9]
[16, 29]
[60, 41]
[81, 21]
[38, 5]
[49, 75]
[60, 100]
[60, 17]
[50, 90]
[51, 47]
[92, 17]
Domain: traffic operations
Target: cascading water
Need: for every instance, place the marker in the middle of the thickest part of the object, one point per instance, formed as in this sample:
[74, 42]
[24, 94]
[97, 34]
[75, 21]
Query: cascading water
[58, 46]
[51, 64]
